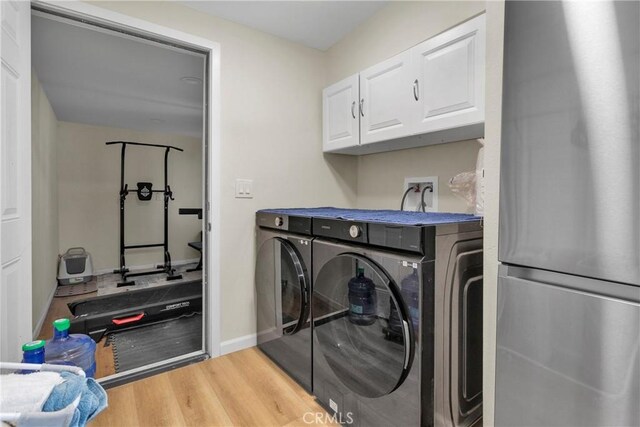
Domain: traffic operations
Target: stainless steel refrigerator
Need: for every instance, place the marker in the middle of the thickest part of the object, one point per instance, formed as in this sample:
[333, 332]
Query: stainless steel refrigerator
[568, 333]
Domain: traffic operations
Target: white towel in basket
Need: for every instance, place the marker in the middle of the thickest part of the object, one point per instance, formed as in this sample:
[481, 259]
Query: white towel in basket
[62, 418]
[26, 393]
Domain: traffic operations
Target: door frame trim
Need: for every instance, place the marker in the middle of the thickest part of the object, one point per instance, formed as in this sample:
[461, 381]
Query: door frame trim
[211, 138]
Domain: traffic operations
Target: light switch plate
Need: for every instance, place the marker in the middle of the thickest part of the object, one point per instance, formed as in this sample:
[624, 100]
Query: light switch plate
[244, 189]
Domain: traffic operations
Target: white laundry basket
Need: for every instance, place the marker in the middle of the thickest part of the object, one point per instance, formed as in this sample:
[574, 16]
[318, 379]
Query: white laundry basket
[60, 418]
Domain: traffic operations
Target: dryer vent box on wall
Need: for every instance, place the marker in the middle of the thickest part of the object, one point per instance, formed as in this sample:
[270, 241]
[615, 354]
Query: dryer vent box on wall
[75, 267]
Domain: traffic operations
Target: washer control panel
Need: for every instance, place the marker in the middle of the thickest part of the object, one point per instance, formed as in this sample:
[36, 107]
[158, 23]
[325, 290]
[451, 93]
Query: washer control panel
[403, 237]
[355, 231]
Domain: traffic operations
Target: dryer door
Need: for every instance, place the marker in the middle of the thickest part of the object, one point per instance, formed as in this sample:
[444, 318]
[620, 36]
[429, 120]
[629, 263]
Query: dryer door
[362, 325]
[282, 288]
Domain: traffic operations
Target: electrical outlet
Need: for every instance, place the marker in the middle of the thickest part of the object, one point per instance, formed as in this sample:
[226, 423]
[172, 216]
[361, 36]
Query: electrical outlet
[413, 200]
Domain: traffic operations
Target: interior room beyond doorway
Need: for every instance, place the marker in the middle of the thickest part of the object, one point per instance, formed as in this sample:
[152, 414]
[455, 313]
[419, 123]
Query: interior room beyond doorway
[91, 86]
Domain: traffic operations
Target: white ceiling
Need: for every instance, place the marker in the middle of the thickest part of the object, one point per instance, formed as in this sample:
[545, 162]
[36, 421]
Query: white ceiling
[99, 78]
[317, 24]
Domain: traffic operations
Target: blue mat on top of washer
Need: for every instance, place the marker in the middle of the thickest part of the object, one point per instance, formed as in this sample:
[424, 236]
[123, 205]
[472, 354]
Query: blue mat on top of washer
[381, 216]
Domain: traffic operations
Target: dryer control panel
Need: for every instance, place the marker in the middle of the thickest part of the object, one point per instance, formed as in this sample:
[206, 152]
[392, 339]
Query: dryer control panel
[350, 231]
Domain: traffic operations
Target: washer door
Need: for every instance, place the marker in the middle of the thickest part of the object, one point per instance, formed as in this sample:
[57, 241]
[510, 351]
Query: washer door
[282, 289]
[371, 356]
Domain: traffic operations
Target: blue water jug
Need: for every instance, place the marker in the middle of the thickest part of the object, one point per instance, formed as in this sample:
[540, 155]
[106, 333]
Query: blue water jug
[411, 294]
[362, 299]
[410, 290]
[33, 352]
[71, 349]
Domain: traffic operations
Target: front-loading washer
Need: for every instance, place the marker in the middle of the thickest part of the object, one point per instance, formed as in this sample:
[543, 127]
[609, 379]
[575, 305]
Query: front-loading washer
[395, 311]
[283, 292]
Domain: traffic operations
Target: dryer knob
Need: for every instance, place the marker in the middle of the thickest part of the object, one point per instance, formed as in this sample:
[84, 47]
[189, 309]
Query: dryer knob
[355, 231]
[279, 221]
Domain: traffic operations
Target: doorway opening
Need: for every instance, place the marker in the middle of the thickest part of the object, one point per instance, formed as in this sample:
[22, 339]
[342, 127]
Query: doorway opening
[120, 179]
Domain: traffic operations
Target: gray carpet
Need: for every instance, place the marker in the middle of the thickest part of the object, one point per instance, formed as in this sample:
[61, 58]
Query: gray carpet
[108, 283]
[79, 289]
[154, 343]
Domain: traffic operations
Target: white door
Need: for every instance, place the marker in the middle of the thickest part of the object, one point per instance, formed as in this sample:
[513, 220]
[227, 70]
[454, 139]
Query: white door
[340, 119]
[386, 100]
[448, 72]
[15, 179]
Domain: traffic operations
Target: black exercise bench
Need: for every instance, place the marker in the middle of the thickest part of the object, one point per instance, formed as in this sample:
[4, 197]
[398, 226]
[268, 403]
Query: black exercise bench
[195, 245]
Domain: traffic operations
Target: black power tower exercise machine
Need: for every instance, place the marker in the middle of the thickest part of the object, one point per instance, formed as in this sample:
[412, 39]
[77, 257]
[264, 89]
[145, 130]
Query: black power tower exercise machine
[109, 314]
[145, 192]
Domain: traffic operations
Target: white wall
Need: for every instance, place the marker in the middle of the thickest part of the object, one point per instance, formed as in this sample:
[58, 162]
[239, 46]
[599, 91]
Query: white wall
[44, 200]
[270, 131]
[381, 176]
[88, 186]
[493, 123]
[395, 28]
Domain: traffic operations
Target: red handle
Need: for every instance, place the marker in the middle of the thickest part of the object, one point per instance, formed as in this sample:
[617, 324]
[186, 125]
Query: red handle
[130, 319]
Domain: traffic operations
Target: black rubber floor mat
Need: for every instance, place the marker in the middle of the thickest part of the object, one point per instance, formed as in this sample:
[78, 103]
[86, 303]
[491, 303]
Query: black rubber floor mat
[157, 342]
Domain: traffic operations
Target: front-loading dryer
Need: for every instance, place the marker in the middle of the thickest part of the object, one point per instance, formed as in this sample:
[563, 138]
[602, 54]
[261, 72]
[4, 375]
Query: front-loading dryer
[283, 292]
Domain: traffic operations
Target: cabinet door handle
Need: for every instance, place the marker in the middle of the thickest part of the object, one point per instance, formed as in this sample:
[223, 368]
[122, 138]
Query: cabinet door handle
[362, 107]
[353, 109]
[416, 91]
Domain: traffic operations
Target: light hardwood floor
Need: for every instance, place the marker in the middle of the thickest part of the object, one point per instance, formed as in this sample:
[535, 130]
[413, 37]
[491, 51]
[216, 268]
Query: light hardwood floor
[244, 388]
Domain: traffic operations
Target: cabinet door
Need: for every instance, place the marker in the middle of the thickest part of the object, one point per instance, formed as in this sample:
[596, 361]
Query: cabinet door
[449, 78]
[386, 100]
[341, 122]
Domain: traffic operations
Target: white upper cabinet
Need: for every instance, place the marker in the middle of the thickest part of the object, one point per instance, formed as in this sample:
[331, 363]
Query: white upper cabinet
[386, 101]
[430, 94]
[340, 113]
[449, 72]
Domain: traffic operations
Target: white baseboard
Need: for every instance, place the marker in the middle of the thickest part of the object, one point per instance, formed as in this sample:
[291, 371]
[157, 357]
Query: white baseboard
[147, 266]
[238, 344]
[38, 327]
